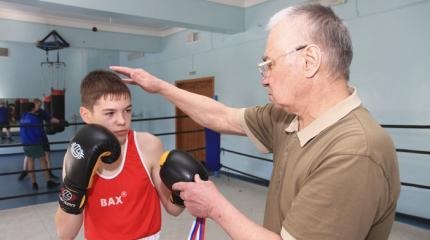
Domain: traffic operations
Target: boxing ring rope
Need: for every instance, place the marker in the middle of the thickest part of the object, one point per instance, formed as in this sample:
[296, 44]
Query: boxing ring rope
[264, 159]
[382, 125]
[66, 142]
[185, 116]
[412, 151]
[213, 152]
[29, 171]
[405, 126]
[246, 155]
[57, 168]
[67, 124]
[265, 182]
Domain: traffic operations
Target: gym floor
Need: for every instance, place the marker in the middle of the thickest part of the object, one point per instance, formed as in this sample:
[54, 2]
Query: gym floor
[32, 217]
[248, 197]
[10, 186]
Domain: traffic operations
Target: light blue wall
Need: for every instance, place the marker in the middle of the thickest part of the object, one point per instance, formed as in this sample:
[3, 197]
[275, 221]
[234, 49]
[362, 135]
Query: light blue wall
[390, 70]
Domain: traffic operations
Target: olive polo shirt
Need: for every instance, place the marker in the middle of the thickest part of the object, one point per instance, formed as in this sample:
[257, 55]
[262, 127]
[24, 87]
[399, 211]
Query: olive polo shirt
[337, 178]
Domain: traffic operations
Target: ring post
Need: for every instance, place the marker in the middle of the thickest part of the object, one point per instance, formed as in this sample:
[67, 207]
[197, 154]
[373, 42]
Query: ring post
[213, 151]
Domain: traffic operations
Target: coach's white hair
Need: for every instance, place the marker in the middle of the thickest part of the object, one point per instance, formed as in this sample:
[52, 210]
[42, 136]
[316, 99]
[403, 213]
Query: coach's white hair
[279, 16]
[325, 29]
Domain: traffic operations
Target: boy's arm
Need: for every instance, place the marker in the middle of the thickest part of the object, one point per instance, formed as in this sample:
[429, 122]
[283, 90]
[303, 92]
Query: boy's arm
[153, 149]
[165, 194]
[67, 225]
[91, 144]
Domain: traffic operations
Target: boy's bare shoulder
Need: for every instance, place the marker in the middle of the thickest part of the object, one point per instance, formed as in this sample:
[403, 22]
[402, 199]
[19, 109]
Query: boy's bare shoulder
[147, 141]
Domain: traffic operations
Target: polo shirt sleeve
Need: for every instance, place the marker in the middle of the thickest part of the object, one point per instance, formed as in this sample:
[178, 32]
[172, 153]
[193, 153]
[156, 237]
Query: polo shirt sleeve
[258, 126]
[338, 200]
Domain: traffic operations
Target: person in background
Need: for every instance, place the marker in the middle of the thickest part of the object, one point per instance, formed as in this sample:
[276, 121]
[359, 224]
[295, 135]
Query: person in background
[4, 122]
[31, 133]
[44, 117]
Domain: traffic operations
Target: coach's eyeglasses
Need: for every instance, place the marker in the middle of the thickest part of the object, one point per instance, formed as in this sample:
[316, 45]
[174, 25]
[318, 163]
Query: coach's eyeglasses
[265, 66]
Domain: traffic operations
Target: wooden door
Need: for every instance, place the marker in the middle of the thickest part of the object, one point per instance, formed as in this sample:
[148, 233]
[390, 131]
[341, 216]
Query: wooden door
[187, 141]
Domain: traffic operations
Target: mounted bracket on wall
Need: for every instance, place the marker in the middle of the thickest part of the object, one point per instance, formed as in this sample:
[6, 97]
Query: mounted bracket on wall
[53, 72]
[52, 41]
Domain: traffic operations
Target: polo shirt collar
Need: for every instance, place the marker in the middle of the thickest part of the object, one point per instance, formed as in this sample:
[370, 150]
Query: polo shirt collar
[328, 118]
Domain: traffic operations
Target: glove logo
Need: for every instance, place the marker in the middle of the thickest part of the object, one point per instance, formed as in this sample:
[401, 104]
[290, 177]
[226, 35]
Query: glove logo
[77, 151]
[67, 195]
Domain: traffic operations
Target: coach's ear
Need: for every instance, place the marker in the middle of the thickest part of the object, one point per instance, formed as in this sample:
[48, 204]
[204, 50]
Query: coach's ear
[312, 56]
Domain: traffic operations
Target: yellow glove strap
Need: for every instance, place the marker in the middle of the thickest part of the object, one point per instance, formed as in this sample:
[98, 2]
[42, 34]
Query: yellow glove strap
[163, 157]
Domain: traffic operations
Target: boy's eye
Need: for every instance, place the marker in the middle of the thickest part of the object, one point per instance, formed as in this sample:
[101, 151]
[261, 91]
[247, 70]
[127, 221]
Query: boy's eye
[109, 113]
[128, 110]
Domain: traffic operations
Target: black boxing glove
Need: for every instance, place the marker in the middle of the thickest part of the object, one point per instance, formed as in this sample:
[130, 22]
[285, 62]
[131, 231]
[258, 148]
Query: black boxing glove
[92, 143]
[180, 166]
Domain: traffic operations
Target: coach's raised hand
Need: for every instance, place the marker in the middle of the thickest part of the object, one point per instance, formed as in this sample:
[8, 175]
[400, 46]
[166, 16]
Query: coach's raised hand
[140, 77]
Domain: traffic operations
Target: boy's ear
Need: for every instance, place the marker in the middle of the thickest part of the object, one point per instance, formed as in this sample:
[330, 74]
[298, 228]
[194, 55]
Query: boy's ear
[85, 114]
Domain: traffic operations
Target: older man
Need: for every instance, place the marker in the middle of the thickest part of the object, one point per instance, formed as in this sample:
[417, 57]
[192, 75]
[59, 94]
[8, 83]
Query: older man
[335, 172]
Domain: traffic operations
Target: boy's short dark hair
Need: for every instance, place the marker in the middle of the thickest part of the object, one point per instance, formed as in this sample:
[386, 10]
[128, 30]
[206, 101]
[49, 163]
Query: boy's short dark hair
[37, 100]
[27, 106]
[101, 83]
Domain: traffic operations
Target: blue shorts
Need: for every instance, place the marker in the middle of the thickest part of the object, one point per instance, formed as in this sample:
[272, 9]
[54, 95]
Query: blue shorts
[35, 151]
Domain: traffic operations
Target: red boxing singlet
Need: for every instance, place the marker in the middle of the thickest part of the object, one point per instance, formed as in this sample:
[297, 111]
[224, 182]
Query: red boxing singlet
[126, 205]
